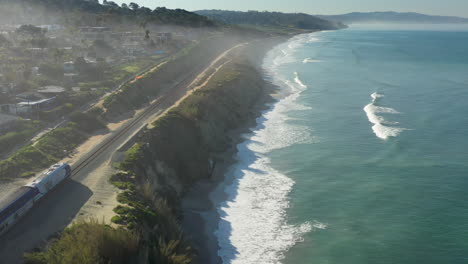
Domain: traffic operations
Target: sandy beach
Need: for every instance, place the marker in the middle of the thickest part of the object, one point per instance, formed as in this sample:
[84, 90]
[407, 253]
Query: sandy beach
[200, 213]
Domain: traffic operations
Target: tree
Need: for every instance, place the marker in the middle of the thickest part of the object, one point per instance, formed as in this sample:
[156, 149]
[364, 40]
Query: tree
[147, 34]
[31, 30]
[112, 4]
[52, 71]
[80, 65]
[58, 54]
[134, 6]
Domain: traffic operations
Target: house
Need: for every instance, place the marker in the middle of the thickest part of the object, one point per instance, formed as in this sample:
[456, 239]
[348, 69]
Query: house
[51, 90]
[94, 33]
[28, 107]
[69, 66]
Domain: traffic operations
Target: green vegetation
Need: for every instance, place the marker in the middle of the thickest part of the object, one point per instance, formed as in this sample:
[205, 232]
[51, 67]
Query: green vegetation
[87, 122]
[24, 130]
[70, 11]
[272, 19]
[57, 112]
[171, 155]
[89, 242]
[150, 214]
[131, 157]
[49, 149]
[134, 95]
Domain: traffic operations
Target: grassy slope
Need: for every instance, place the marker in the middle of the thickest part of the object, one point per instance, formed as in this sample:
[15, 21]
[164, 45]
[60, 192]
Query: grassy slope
[186, 138]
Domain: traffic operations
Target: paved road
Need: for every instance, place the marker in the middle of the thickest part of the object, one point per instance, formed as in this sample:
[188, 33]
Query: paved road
[61, 206]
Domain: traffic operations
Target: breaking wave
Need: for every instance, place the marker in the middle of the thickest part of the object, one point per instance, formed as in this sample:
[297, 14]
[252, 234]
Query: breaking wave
[253, 226]
[310, 60]
[382, 128]
[298, 81]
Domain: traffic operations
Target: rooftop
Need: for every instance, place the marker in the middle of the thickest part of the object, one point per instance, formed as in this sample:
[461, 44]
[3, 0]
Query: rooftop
[36, 102]
[51, 89]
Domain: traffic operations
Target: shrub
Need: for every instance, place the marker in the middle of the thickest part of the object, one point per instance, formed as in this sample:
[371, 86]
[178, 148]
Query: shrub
[50, 148]
[87, 122]
[24, 131]
[89, 243]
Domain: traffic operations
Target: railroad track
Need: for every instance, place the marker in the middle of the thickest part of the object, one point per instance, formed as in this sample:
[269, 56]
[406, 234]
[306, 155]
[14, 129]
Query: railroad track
[162, 99]
[189, 80]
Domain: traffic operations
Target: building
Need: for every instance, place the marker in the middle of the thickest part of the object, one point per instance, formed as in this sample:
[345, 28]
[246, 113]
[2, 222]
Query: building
[69, 66]
[31, 106]
[51, 90]
[94, 33]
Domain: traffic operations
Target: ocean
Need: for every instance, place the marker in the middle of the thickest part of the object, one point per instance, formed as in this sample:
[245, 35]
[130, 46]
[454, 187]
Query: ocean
[362, 159]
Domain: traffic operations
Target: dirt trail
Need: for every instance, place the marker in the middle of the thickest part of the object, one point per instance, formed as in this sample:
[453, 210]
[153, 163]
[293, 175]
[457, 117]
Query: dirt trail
[88, 193]
[204, 77]
[103, 200]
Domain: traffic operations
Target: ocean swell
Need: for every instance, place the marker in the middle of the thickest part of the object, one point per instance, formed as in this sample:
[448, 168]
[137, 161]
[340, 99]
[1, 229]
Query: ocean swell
[382, 128]
[253, 226]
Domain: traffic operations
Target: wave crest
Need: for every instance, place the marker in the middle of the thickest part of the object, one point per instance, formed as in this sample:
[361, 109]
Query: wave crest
[382, 128]
[310, 60]
[253, 226]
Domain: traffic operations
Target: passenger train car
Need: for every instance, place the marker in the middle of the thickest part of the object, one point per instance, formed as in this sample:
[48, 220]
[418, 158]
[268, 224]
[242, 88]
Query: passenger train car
[13, 207]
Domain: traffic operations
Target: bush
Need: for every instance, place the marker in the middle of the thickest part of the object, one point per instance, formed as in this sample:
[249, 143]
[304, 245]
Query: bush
[24, 131]
[87, 122]
[53, 71]
[90, 243]
[57, 112]
[134, 154]
[50, 148]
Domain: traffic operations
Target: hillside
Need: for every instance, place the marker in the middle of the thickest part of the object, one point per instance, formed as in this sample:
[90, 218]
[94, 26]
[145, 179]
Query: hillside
[59, 11]
[271, 19]
[395, 17]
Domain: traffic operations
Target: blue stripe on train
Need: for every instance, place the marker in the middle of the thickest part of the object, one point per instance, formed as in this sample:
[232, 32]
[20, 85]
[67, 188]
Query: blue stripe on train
[9, 210]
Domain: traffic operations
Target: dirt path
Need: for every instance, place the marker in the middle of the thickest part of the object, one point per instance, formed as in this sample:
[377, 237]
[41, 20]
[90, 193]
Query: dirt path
[88, 193]
[103, 200]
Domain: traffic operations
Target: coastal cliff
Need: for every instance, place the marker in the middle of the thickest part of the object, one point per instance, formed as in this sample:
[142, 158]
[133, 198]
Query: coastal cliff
[164, 162]
[184, 146]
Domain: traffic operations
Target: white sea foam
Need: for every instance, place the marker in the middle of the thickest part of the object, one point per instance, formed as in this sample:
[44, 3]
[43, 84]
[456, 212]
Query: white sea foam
[382, 128]
[285, 53]
[312, 39]
[253, 226]
[310, 60]
[298, 80]
[318, 225]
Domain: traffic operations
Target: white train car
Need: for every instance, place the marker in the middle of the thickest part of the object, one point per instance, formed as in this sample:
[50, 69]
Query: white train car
[13, 207]
[47, 181]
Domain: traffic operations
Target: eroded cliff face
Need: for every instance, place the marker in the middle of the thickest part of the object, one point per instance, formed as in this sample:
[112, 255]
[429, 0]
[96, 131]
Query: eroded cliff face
[182, 147]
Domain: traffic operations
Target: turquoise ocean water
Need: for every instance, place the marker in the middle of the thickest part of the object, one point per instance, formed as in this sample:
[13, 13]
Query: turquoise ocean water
[364, 159]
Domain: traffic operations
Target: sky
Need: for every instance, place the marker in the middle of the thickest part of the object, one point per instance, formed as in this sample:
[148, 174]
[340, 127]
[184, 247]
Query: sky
[325, 7]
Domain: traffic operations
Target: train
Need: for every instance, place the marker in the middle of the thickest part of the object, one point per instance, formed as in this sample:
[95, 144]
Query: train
[17, 204]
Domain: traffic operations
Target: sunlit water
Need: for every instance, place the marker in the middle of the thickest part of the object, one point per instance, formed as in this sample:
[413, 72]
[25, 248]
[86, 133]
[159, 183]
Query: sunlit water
[364, 160]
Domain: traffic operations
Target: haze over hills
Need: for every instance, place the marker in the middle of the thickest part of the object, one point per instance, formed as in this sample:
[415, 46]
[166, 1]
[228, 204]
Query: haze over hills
[93, 13]
[271, 19]
[394, 17]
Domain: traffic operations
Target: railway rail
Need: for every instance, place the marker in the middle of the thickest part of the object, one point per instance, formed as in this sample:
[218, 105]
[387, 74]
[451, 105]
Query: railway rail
[148, 111]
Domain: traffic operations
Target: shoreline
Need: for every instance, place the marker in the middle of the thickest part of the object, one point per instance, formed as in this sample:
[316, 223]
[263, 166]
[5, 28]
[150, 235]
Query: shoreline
[201, 218]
